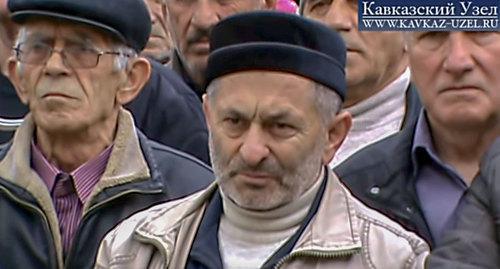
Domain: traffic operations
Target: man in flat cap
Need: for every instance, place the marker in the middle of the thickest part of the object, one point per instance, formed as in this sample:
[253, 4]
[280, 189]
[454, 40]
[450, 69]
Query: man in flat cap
[273, 111]
[190, 23]
[77, 166]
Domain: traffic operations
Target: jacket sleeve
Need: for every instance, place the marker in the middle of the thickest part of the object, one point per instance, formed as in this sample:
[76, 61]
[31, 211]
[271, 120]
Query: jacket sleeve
[472, 244]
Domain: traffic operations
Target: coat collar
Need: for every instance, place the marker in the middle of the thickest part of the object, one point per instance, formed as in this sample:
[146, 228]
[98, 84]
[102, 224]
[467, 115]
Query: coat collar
[126, 163]
[335, 226]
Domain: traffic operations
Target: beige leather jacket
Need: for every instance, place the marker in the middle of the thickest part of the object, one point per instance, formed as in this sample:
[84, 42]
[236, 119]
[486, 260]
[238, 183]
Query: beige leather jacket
[344, 233]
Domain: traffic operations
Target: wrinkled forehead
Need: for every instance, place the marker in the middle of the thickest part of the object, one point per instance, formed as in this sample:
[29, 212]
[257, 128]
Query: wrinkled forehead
[265, 89]
[48, 30]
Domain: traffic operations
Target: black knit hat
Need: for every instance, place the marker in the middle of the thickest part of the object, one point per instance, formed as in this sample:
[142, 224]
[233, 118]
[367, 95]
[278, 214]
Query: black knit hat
[270, 40]
[128, 20]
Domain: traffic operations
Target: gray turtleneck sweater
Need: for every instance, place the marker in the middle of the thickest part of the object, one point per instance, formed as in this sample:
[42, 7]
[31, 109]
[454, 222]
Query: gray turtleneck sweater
[248, 238]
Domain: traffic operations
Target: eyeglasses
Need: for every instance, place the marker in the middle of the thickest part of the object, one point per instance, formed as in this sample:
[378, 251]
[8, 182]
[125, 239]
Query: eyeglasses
[76, 56]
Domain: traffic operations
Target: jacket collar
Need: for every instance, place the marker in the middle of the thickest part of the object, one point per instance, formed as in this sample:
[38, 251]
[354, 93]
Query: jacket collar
[126, 163]
[413, 106]
[335, 226]
[161, 226]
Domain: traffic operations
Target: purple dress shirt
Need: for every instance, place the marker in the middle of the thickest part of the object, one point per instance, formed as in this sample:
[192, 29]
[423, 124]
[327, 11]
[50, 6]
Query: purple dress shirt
[69, 191]
[439, 186]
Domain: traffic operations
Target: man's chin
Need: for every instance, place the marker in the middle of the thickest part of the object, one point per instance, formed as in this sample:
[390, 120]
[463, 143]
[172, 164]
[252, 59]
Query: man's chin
[257, 200]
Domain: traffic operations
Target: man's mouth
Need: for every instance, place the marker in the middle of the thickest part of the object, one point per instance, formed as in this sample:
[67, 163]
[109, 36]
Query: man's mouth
[200, 47]
[56, 95]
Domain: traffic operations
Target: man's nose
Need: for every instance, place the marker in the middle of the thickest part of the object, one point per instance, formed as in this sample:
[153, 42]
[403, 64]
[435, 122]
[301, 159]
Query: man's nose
[340, 17]
[56, 63]
[254, 148]
[458, 55]
[205, 15]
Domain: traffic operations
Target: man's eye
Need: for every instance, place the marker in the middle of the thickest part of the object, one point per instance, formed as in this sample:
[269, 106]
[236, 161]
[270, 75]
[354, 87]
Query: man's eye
[233, 127]
[80, 49]
[233, 121]
[35, 47]
[319, 6]
[283, 130]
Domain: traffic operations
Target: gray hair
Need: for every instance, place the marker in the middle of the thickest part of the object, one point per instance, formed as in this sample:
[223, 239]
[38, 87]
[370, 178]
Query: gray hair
[327, 101]
[125, 54]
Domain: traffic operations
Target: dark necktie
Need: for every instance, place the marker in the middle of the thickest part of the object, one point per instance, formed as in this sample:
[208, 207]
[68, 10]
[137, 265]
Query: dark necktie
[63, 185]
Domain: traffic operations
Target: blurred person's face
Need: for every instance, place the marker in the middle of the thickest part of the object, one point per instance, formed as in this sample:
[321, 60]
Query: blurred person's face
[62, 96]
[267, 141]
[374, 59]
[159, 43]
[191, 22]
[8, 32]
[458, 77]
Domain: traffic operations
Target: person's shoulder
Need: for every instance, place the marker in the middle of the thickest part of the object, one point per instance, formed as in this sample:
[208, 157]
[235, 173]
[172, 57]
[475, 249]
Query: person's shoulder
[387, 152]
[179, 86]
[166, 157]
[153, 222]
[167, 88]
[386, 242]
[158, 216]
[493, 153]
[162, 150]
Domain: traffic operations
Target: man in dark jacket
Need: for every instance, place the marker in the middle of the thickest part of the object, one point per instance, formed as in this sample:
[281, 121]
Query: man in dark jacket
[77, 165]
[418, 176]
[475, 241]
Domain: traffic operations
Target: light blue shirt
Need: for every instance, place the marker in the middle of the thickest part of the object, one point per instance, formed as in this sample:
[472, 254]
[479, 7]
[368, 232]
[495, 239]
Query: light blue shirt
[439, 186]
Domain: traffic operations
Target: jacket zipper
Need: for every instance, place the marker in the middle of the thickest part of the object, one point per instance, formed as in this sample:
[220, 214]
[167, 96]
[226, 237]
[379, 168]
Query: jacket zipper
[40, 212]
[318, 254]
[102, 203]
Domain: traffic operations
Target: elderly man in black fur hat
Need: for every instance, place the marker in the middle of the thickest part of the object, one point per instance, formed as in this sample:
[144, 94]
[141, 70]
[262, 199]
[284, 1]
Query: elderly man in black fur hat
[273, 111]
[77, 166]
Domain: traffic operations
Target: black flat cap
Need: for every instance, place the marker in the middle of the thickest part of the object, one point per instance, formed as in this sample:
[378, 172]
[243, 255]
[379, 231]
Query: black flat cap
[277, 41]
[128, 20]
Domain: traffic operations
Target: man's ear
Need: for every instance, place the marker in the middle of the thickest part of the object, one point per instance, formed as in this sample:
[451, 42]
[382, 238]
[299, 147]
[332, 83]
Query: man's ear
[207, 111]
[15, 73]
[137, 75]
[337, 132]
